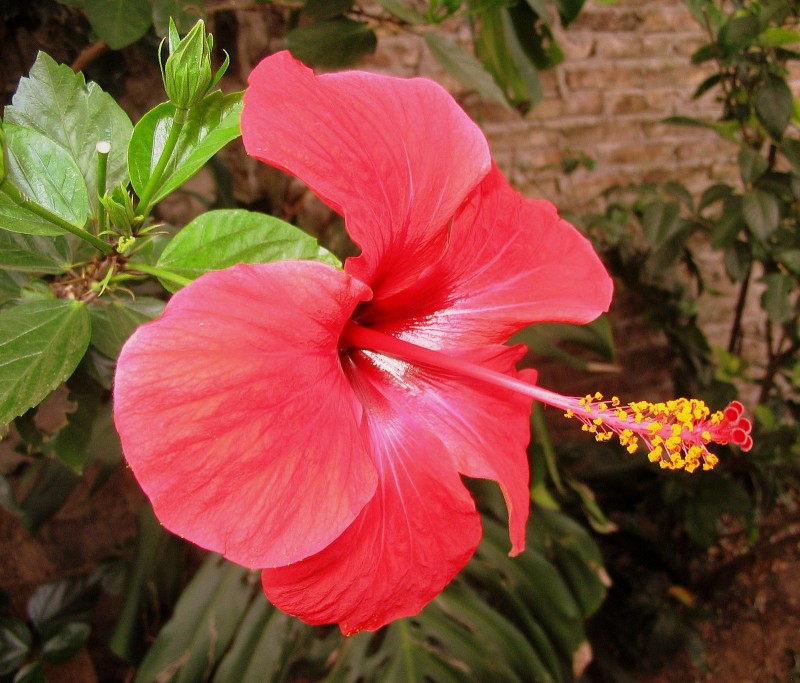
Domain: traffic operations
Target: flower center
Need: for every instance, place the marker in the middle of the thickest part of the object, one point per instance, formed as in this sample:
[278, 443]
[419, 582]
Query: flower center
[676, 433]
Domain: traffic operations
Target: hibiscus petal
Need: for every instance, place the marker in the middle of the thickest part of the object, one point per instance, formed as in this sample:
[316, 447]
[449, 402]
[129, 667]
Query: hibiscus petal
[510, 262]
[236, 417]
[396, 157]
[421, 527]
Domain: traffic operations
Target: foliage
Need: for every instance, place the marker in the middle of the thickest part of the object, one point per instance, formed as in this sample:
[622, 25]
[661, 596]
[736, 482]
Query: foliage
[652, 237]
[83, 263]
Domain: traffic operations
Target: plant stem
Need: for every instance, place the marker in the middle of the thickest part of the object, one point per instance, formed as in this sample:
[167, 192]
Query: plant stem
[29, 205]
[158, 272]
[103, 148]
[146, 199]
[735, 339]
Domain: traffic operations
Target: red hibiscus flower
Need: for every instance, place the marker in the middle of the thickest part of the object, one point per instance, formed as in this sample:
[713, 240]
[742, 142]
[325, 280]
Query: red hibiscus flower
[316, 423]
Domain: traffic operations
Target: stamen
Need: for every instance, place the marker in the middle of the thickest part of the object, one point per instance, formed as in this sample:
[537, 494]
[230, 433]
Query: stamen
[676, 433]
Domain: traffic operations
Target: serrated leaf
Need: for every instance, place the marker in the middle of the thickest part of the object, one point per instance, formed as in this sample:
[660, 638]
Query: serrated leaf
[774, 105]
[58, 103]
[222, 238]
[208, 128]
[41, 344]
[34, 254]
[65, 643]
[202, 626]
[761, 212]
[15, 643]
[119, 22]
[44, 172]
[332, 43]
[465, 67]
[114, 322]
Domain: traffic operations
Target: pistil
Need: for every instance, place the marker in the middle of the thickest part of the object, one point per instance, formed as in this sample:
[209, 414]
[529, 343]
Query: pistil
[676, 433]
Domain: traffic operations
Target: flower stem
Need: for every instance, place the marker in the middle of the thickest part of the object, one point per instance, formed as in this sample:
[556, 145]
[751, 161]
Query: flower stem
[159, 273]
[29, 205]
[146, 199]
[103, 148]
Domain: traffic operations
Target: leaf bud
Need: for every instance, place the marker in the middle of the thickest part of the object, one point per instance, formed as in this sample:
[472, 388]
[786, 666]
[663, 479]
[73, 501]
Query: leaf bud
[119, 207]
[187, 73]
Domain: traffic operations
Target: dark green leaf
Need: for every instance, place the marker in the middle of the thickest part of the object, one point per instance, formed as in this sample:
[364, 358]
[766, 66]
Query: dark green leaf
[546, 340]
[568, 10]
[11, 285]
[679, 192]
[41, 343]
[762, 213]
[184, 13]
[44, 172]
[208, 128]
[203, 625]
[704, 509]
[660, 222]
[704, 54]
[54, 605]
[403, 11]
[777, 297]
[114, 322]
[218, 239]
[152, 579]
[706, 85]
[34, 254]
[790, 258]
[713, 194]
[751, 165]
[31, 673]
[774, 105]
[53, 485]
[530, 39]
[737, 261]
[119, 22]
[7, 498]
[58, 103]
[15, 643]
[333, 43]
[465, 67]
[65, 643]
[791, 149]
[326, 9]
[737, 33]
[728, 226]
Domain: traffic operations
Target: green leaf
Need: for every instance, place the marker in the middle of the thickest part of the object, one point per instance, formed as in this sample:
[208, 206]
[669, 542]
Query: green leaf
[15, 643]
[54, 483]
[465, 67]
[751, 165]
[562, 341]
[41, 344]
[184, 13]
[326, 9]
[58, 103]
[774, 105]
[403, 11]
[738, 33]
[790, 258]
[728, 226]
[713, 194]
[332, 43]
[208, 128]
[34, 254]
[7, 498]
[791, 149]
[65, 643]
[777, 297]
[218, 239]
[119, 22]
[660, 222]
[202, 626]
[777, 36]
[45, 173]
[114, 322]
[568, 10]
[761, 212]
[737, 261]
[55, 605]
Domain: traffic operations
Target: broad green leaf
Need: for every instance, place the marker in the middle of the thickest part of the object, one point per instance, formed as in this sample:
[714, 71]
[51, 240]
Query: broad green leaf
[738, 33]
[218, 239]
[529, 40]
[44, 172]
[777, 297]
[661, 221]
[15, 643]
[751, 165]
[728, 226]
[777, 36]
[465, 67]
[202, 626]
[546, 340]
[119, 22]
[713, 194]
[790, 258]
[333, 43]
[568, 10]
[403, 11]
[762, 213]
[41, 344]
[737, 261]
[65, 643]
[31, 673]
[184, 13]
[207, 130]
[774, 105]
[54, 605]
[34, 254]
[114, 322]
[791, 149]
[58, 103]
